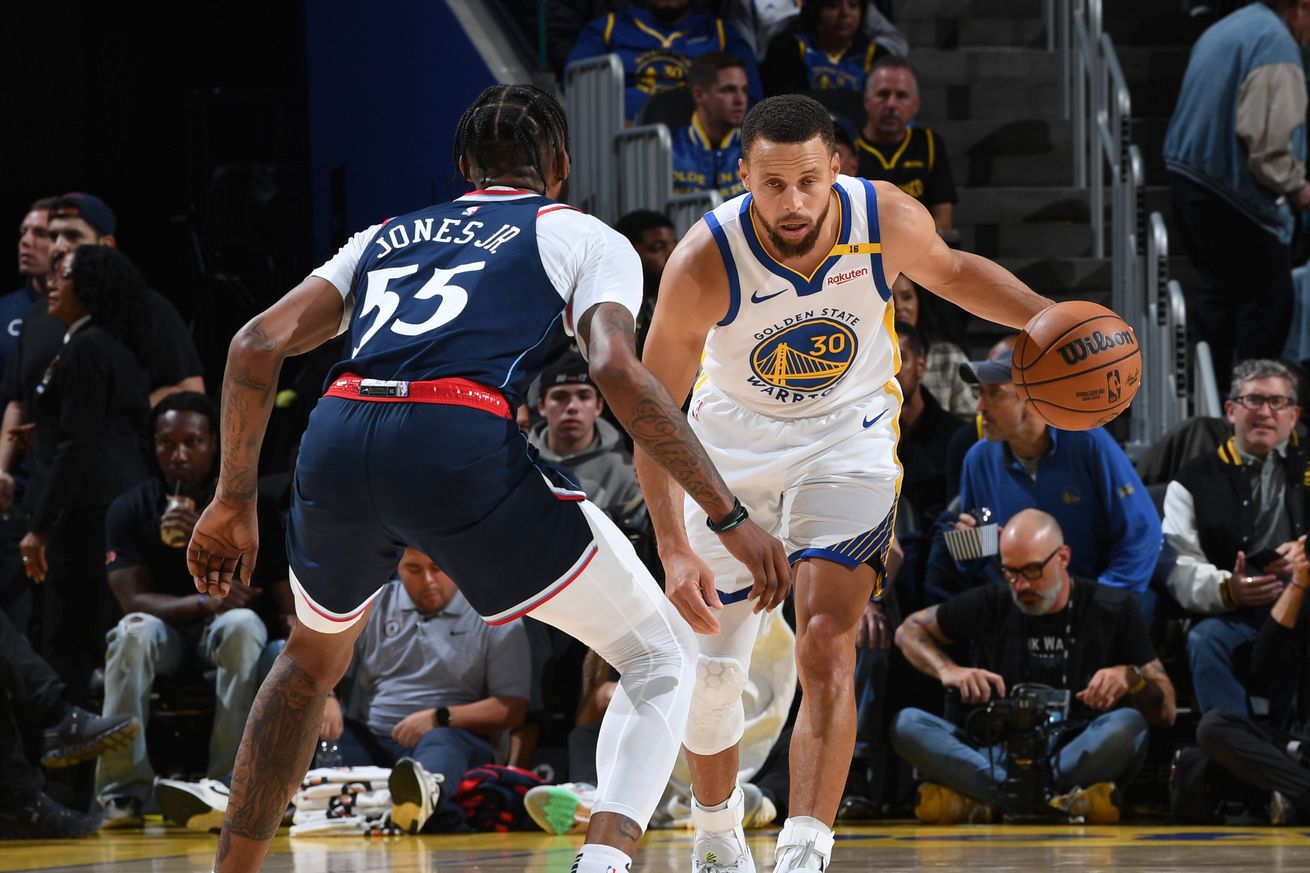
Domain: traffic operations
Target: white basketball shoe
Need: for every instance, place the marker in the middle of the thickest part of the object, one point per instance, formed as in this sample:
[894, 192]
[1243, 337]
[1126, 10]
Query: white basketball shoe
[720, 842]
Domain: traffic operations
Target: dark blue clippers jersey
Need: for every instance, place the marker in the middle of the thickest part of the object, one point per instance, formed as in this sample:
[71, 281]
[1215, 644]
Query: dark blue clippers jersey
[455, 290]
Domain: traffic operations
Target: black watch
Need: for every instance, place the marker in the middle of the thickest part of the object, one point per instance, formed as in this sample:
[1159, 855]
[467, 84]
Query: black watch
[443, 716]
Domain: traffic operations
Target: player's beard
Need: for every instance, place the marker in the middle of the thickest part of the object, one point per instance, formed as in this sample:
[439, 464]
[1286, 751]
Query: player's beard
[802, 246]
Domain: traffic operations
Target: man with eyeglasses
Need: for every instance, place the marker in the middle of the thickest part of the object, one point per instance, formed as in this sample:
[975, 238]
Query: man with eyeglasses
[1049, 627]
[1233, 517]
[1082, 478]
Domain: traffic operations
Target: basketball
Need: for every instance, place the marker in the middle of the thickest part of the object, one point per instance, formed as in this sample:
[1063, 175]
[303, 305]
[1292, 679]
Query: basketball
[1078, 364]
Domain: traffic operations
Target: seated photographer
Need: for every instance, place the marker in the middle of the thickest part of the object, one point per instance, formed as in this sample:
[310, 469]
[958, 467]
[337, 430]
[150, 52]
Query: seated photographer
[1272, 757]
[1233, 517]
[1082, 478]
[1086, 641]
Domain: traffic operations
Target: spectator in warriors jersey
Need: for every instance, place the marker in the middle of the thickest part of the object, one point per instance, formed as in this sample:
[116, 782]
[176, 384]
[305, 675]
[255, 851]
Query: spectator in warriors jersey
[656, 42]
[829, 50]
[706, 152]
[913, 158]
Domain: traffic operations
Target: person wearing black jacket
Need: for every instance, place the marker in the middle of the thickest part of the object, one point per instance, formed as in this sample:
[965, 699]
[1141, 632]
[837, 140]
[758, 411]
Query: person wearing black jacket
[1044, 627]
[1271, 756]
[90, 412]
[1233, 516]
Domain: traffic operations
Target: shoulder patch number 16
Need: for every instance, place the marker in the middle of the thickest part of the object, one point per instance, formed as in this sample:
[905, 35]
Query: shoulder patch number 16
[376, 296]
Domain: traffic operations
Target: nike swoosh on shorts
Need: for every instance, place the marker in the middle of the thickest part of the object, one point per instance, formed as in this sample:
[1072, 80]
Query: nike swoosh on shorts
[868, 423]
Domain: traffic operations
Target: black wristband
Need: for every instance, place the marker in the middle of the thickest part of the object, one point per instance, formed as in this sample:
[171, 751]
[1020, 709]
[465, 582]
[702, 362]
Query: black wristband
[734, 518]
[443, 716]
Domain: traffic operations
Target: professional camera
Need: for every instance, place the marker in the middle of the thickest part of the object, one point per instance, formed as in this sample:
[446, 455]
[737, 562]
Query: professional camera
[1025, 722]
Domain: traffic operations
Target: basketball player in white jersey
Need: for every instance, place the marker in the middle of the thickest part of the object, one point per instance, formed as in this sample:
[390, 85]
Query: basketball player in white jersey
[785, 291]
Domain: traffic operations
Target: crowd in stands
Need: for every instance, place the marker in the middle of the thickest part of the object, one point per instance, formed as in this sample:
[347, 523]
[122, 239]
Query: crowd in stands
[1144, 596]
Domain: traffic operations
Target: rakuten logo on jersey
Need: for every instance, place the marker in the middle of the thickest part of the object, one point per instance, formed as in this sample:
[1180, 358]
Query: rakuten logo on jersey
[843, 278]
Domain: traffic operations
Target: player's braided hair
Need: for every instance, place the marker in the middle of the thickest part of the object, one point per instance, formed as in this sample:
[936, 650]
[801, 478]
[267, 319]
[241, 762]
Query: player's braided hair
[512, 126]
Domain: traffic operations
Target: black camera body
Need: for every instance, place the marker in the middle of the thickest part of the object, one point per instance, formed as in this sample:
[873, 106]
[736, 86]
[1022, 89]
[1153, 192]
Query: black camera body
[1024, 722]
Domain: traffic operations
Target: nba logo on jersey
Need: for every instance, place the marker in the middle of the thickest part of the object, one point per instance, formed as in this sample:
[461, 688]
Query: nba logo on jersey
[472, 210]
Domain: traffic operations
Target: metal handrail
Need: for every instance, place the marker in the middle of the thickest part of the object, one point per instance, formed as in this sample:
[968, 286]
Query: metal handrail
[1094, 97]
[684, 210]
[1207, 386]
[644, 166]
[1176, 405]
[593, 102]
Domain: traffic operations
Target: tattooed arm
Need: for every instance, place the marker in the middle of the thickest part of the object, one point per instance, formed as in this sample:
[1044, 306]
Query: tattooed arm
[921, 639]
[669, 457]
[225, 542]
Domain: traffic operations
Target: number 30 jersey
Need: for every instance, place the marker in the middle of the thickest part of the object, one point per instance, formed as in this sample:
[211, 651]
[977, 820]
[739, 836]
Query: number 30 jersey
[794, 346]
[481, 288]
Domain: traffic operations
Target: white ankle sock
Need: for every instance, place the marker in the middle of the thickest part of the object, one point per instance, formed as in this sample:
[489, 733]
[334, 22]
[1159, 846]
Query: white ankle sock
[597, 858]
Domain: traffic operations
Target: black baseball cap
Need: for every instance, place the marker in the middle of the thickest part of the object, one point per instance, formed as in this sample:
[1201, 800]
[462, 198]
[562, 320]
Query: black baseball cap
[992, 372]
[571, 369]
[90, 209]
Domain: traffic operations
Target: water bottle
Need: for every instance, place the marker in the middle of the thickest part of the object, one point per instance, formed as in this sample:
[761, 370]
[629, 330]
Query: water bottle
[328, 755]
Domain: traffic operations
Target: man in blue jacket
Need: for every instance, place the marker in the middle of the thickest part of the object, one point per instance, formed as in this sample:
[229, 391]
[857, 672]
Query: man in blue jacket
[657, 41]
[1236, 151]
[707, 151]
[1082, 478]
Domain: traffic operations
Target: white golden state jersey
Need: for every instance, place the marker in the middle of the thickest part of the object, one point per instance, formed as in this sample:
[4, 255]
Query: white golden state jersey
[794, 346]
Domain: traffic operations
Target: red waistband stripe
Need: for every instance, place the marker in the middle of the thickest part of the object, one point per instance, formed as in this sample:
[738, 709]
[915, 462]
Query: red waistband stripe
[450, 392]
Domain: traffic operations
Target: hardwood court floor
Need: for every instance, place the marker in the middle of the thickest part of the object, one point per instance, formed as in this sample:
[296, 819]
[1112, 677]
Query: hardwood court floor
[885, 849]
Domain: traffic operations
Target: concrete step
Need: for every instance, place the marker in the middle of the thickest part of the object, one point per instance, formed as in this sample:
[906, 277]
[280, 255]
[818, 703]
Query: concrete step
[984, 99]
[1053, 170]
[1020, 134]
[1145, 68]
[1036, 205]
[935, 66]
[1000, 98]
[1063, 278]
[918, 10]
[1014, 240]
[1068, 278]
[953, 33]
[997, 152]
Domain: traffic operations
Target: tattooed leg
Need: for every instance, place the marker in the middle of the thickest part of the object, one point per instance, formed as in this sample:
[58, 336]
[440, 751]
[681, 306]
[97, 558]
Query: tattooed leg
[281, 732]
[615, 830]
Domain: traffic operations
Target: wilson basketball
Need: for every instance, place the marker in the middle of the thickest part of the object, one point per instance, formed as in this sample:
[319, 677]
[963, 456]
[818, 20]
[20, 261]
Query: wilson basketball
[1079, 364]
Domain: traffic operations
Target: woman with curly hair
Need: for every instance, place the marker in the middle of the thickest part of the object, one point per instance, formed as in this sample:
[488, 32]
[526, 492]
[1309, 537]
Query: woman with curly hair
[90, 413]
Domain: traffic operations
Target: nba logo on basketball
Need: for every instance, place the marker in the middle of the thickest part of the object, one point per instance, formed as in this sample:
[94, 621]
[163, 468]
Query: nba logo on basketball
[1113, 386]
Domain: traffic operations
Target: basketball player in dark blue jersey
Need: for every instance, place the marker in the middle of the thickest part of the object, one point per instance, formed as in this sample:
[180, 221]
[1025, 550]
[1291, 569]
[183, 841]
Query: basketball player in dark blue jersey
[448, 309]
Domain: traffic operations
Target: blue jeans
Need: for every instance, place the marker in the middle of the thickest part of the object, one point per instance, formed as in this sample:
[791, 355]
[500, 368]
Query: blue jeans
[871, 667]
[1210, 647]
[142, 647]
[1105, 751]
[448, 751]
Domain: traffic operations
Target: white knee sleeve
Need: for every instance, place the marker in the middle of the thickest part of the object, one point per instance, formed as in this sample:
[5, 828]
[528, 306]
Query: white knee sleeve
[717, 716]
[616, 608]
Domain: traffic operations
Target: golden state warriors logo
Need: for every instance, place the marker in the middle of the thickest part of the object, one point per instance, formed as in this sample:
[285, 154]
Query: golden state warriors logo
[804, 358]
